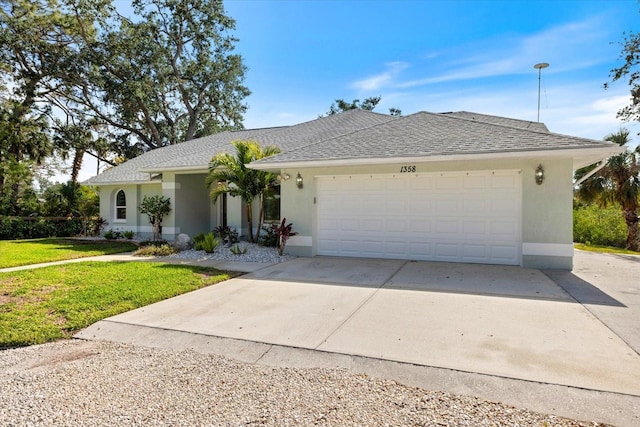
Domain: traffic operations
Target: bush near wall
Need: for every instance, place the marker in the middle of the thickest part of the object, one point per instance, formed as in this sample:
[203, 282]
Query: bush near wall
[13, 228]
[599, 226]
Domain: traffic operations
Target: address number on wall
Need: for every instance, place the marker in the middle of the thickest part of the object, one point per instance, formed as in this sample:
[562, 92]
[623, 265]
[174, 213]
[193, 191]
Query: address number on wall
[407, 168]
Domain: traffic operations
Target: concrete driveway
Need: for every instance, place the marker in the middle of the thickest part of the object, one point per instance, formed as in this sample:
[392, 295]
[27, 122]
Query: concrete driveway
[550, 327]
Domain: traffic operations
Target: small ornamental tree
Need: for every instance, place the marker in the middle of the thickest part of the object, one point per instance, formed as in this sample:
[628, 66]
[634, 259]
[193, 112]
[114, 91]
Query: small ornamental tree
[155, 207]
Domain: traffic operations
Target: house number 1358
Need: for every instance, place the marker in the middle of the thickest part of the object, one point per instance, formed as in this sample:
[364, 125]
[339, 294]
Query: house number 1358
[411, 168]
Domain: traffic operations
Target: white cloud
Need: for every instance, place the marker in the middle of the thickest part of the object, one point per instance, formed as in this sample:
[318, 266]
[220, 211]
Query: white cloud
[384, 79]
[563, 46]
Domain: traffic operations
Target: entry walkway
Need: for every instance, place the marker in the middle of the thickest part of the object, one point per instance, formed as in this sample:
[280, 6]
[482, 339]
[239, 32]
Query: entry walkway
[503, 333]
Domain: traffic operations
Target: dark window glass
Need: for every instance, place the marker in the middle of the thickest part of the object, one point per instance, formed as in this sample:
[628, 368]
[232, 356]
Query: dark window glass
[121, 205]
[272, 205]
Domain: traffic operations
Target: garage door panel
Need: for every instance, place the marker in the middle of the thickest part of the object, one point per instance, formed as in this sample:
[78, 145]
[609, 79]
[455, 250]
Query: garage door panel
[372, 225]
[447, 183]
[446, 227]
[508, 182]
[445, 216]
[447, 206]
[476, 252]
[446, 251]
[476, 227]
[420, 226]
[475, 183]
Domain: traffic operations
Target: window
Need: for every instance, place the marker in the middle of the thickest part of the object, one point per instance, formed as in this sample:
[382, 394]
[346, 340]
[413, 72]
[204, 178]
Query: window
[272, 205]
[121, 205]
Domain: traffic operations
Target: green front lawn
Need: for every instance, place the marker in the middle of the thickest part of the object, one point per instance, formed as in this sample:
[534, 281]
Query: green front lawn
[50, 303]
[604, 249]
[15, 253]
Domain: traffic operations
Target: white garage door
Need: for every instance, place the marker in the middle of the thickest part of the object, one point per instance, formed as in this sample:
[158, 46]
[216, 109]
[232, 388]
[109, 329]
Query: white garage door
[449, 216]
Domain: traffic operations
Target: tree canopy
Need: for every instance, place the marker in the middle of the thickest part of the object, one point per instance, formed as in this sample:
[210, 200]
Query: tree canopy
[369, 104]
[616, 183]
[228, 174]
[77, 77]
[629, 70]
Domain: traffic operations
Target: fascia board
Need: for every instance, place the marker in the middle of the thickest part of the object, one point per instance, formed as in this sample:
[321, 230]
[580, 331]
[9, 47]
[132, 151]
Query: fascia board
[582, 155]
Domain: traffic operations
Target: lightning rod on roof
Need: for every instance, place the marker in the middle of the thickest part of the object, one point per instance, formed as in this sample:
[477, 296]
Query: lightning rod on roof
[539, 67]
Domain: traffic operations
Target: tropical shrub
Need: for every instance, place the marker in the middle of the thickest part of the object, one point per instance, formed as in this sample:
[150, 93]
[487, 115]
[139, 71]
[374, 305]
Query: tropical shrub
[237, 250]
[112, 235]
[269, 238]
[206, 242]
[155, 250]
[283, 232]
[227, 234]
[594, 225]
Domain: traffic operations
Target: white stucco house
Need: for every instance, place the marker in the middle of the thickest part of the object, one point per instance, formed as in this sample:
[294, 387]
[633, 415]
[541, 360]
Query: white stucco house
[456, 187]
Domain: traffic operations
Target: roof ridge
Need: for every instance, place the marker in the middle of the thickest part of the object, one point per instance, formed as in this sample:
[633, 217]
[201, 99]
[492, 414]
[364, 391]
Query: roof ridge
[390, 118]
[452, 115]
[507, 126]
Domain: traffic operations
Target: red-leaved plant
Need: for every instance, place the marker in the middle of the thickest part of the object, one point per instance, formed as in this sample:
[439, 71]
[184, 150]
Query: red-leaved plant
[283, 232]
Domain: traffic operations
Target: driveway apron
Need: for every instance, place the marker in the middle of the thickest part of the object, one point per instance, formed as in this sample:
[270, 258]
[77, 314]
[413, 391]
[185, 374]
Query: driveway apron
[497, 320]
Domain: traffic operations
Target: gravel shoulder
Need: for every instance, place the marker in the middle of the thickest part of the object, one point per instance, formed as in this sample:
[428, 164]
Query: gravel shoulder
[93, 383]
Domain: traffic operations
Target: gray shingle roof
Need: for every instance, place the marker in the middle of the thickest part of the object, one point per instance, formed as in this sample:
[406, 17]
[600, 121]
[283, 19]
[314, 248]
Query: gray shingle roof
[426, 134]
[497, 120]
[357, 134]
[197, 153]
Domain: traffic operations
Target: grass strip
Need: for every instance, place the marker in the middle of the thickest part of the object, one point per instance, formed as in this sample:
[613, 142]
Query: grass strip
[604, 249]
[14, 253]
[50, 303]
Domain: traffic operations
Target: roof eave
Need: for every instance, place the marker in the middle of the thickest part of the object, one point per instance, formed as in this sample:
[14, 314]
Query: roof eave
[192, 168]
[581, 157]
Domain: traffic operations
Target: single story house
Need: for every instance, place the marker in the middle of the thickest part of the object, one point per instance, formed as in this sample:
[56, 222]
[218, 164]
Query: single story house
[456, 187]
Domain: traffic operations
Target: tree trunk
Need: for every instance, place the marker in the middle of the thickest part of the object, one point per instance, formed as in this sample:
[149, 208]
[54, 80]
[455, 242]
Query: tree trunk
[260, 219]
[249, 224]
[631, 219]
[77, 165]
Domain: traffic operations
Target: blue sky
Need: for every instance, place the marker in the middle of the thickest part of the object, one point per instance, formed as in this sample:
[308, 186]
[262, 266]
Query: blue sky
[436, 56]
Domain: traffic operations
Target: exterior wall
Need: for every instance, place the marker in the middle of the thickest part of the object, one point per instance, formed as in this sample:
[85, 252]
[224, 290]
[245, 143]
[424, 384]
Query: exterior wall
[547, 224]
[135, 221]
[191, 205]
[547, 234]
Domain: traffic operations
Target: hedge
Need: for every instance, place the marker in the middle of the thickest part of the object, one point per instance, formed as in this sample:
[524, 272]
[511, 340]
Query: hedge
[13, 228]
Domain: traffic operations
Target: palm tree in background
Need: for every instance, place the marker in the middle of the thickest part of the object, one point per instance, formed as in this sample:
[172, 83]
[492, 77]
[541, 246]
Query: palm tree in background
[616, 183]
[228, 174]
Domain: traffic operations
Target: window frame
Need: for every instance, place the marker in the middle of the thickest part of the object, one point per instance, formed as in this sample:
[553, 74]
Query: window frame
[276, 198]
[118, 208]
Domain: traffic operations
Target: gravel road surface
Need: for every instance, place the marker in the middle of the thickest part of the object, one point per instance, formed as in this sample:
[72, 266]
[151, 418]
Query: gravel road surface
[90, 383]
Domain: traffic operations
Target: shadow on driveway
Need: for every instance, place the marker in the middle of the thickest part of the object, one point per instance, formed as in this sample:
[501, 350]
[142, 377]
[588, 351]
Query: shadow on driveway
[581, 290]
[472, 279]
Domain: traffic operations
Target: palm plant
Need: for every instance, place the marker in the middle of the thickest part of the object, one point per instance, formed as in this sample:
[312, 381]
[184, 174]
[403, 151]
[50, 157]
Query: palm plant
[617, 182]
[228, 174]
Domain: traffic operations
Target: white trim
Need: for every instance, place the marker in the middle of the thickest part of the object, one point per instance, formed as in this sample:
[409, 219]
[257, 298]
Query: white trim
[116, 206]
[600, 152]
[171, 185]
[300, 241]
[418, 174]
[192, 169]
[118, 183]
[548, 249]
[593, 171]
